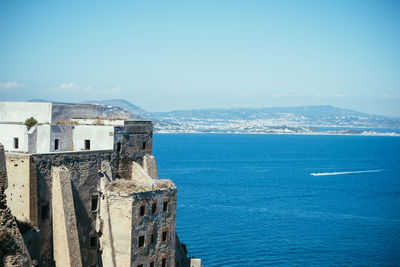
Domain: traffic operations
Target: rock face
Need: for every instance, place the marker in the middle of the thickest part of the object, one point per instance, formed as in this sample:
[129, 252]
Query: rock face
[13, 251]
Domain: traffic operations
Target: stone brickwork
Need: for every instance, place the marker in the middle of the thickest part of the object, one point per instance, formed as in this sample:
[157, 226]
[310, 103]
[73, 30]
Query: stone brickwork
[13, 251]
[99, 208]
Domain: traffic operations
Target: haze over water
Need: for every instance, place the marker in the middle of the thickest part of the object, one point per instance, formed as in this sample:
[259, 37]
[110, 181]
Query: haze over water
[250, 200]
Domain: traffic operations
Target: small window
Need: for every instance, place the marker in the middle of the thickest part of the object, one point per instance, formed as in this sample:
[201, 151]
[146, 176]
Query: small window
[118, 146]
[44, 212]
[140, 265]
[56, 144]
[16, 143]
[93, 242]
[153, 208]
[95, 202]
[141, 241]
[165, 206]
[87, 144]
[144, 145]
[164, 236]
[164, 262]
[152, 264]
[142, 210]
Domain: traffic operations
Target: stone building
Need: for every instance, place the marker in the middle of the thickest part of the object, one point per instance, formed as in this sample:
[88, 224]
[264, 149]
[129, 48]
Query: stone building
[97, 207]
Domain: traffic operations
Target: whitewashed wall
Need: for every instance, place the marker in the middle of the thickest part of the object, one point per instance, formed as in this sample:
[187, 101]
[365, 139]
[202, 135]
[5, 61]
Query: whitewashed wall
[20, 111]
[7, 134]
[101, 137]
[64, 134]
[43, 139]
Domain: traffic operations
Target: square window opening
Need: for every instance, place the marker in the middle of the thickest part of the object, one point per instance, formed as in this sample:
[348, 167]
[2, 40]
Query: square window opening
[165, 206]
[16, 143]
[152, 264]
[141, 241]
[87, 144]
[44, 212]
[93, 242]
[94, 203]
[56, 144]
[164, 235]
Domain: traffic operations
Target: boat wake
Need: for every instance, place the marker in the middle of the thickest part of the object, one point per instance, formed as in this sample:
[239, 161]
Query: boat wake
[340, 173]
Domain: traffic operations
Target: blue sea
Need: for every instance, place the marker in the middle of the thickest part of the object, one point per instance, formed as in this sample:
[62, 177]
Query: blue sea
[251, 200]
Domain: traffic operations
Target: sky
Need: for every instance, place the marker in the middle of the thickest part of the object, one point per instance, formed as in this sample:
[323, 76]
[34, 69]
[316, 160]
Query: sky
[169, 55]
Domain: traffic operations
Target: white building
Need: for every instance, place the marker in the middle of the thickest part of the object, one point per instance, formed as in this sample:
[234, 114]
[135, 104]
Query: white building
[60, 127]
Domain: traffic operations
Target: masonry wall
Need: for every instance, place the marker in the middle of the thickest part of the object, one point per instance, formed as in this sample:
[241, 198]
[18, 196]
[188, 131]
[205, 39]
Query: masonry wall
[124, 225]
[85, 182]
[156, 224]
[131, 143]
[21, 192]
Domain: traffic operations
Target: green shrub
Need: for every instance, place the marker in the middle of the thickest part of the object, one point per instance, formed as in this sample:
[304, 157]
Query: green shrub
[30, 122]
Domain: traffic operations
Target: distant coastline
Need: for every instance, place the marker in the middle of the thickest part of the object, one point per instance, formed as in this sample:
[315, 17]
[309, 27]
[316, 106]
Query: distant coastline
[278, 133]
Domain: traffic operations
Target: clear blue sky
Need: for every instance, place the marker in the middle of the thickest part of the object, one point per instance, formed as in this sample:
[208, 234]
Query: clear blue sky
[165, 55]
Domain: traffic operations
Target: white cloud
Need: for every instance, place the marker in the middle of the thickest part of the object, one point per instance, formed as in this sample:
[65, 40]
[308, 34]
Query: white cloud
[387, 96]
[67, 86]
[71, 87]
[11, 85]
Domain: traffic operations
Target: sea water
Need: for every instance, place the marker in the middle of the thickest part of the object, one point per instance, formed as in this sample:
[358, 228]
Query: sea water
[259, 200]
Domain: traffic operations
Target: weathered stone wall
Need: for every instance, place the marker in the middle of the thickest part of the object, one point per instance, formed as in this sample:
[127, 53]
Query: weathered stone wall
[21, 192]
[65, 234]
[85, 181]
[156, 224]
[129, 216]
[131, 143]
[13, 251]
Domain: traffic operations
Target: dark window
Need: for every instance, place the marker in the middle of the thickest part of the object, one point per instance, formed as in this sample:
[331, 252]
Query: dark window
[153, 208]
[165, 206]
[56, 144]
[140, 265]
[44, 212]
[144, 145]
[164, 262]
[95, 201]
[164, 235]
[152, 264]
[141, 241]
[152, 237]
[16, 145]
[87, 144]
[93, 242]
[118, 146]
[142, 210]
